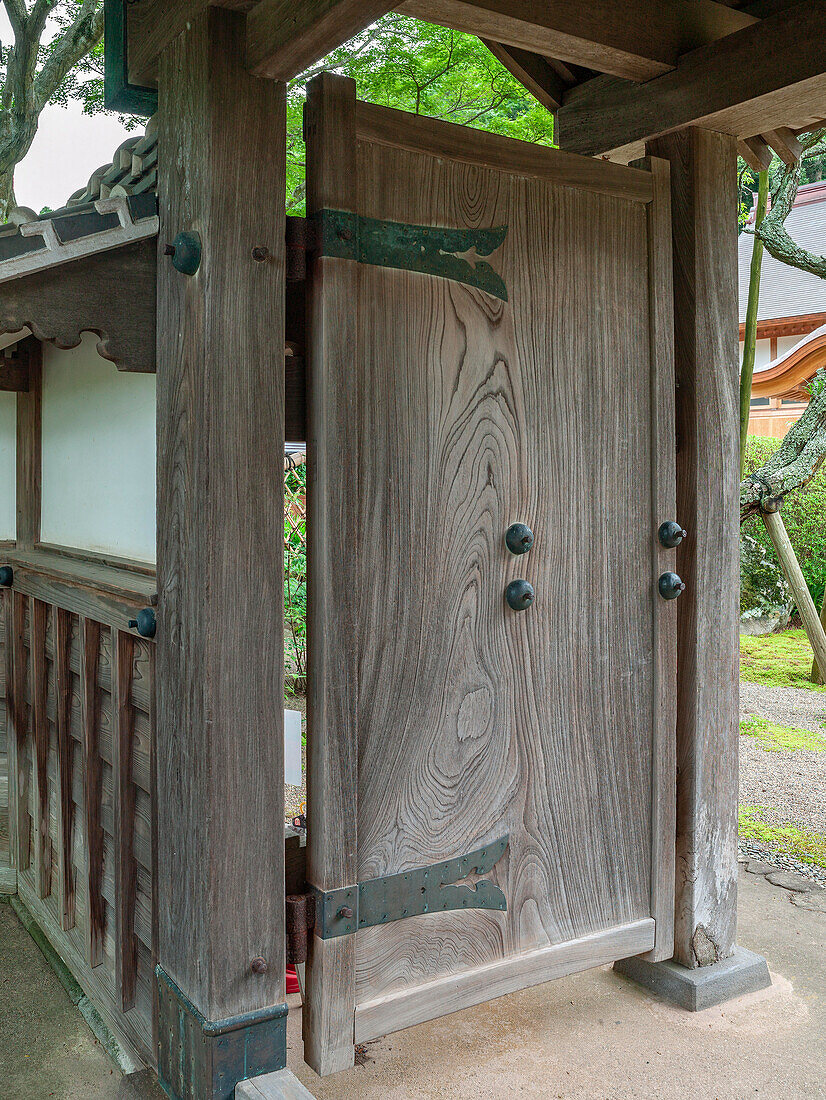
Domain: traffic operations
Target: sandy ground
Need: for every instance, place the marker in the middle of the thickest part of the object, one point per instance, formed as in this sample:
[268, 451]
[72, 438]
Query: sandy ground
[593, 1036]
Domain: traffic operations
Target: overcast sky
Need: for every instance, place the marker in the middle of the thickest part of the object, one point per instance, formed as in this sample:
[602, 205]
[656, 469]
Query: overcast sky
[69, 146]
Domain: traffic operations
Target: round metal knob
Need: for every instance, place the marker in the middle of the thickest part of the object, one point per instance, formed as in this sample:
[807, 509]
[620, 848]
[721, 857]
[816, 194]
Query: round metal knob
[6, 576]
[670, 534]
[144, 622]
[519, 538]
[185, 251]
[345, 912]
[670, 586]
[520, 595]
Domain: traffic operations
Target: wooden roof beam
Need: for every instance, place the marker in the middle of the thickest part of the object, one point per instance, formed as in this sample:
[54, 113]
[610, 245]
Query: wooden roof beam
[752, 81]
[286, 36]
[533, 71]
[785, 144]
[756, 153]
[638, 39]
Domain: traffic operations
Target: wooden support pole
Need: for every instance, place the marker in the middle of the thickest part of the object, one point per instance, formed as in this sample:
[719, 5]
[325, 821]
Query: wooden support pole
[219, 643]
[92, 789]
[703, 181]
[28, 447]
[65, 752]
[797, 582]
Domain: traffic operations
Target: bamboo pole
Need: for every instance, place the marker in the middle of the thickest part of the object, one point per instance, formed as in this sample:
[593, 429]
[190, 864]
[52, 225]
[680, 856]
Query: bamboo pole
[800, 590]
[750, 332]
[817, 675]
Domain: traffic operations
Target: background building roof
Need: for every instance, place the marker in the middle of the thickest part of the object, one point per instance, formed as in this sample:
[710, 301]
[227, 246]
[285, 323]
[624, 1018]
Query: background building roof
[785, 291]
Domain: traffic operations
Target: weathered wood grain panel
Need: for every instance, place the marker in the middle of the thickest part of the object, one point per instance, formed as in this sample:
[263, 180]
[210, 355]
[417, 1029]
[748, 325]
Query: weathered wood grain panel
[468, 720]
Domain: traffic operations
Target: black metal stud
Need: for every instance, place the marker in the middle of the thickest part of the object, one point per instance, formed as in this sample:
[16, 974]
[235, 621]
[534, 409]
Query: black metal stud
[144, 622]
[185, 251]
[6, 576]
[519, 538]
[670, 534]
[520, 595]
[670, 586]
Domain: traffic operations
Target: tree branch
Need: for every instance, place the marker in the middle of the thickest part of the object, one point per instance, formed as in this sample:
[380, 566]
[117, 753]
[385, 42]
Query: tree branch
[797, 460]
[772, 231]
[82, 36]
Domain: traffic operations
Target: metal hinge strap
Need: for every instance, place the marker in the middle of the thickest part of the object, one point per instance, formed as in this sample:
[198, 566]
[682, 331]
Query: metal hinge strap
[433, 250]
[411, 893]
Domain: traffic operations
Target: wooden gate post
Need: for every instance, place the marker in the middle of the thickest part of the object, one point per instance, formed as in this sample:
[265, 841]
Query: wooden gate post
[704, 219]
[220, 770]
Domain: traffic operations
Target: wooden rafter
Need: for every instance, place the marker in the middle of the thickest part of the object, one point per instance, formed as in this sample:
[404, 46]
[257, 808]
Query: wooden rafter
[785, 144]
[638, 40]
[750, 82]
[755, 152]
[536, 73]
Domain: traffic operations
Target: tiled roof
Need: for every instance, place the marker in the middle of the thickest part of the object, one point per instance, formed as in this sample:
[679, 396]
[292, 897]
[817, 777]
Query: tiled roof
[786, 291]
[118, 204]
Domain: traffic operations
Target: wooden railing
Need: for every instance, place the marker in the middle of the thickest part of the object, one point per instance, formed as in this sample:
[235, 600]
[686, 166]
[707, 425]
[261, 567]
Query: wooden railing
[80, 746]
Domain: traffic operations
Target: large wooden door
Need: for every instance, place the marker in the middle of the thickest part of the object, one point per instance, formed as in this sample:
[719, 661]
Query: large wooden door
[521, 372]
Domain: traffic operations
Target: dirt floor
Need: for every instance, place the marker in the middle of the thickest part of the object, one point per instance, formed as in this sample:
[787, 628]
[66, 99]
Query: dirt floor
[594, 1035]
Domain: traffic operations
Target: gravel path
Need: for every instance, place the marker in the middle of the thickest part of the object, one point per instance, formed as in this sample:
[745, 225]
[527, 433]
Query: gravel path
[797, 707]
[792, 784]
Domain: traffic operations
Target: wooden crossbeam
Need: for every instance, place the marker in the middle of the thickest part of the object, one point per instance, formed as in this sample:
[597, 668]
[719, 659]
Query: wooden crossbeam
[533, 71]
[638, 39]
[767, 75]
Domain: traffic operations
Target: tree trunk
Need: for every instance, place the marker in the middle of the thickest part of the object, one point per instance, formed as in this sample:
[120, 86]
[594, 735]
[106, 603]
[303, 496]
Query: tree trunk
[7, 201]
[750, 335]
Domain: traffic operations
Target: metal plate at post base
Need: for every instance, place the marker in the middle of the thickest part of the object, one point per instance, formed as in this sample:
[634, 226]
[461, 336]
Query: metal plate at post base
[704, 986]
[200, 1059]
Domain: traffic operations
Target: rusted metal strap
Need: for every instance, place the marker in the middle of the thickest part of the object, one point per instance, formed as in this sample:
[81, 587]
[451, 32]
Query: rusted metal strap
[411, 893]
[453, 254]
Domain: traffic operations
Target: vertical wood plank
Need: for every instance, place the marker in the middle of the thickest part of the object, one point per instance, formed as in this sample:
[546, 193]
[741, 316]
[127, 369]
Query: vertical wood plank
[28, 448]
[8, 598]
[219, 658]
[704, 237]
[40, 727]
[93, 787]
[663, 489]
[17, 710]
[126, 868]
[65, 760]
[332, 527]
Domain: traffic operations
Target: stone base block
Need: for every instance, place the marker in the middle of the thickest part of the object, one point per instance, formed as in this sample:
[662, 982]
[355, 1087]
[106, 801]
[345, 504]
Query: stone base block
[282, 1085]
[743, 972]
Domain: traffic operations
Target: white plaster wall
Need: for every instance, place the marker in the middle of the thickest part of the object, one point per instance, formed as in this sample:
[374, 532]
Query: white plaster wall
[98, 454]
[8, 460]
[762, 353]
[786, 343]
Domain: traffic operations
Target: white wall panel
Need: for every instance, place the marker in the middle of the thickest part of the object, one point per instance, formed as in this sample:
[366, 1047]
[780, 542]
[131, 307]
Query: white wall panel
[8, 434]
[98, 454]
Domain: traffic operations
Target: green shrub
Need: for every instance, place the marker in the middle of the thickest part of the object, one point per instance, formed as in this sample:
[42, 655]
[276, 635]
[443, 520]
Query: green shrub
[295, 579]
[804, 513]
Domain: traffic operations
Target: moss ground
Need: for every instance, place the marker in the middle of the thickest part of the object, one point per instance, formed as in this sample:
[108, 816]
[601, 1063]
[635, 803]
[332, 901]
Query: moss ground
[783, 837]
[778, 660]
[775, 738]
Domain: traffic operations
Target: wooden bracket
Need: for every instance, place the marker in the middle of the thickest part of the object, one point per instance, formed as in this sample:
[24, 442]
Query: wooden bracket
[14, 372]
[111, 294]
